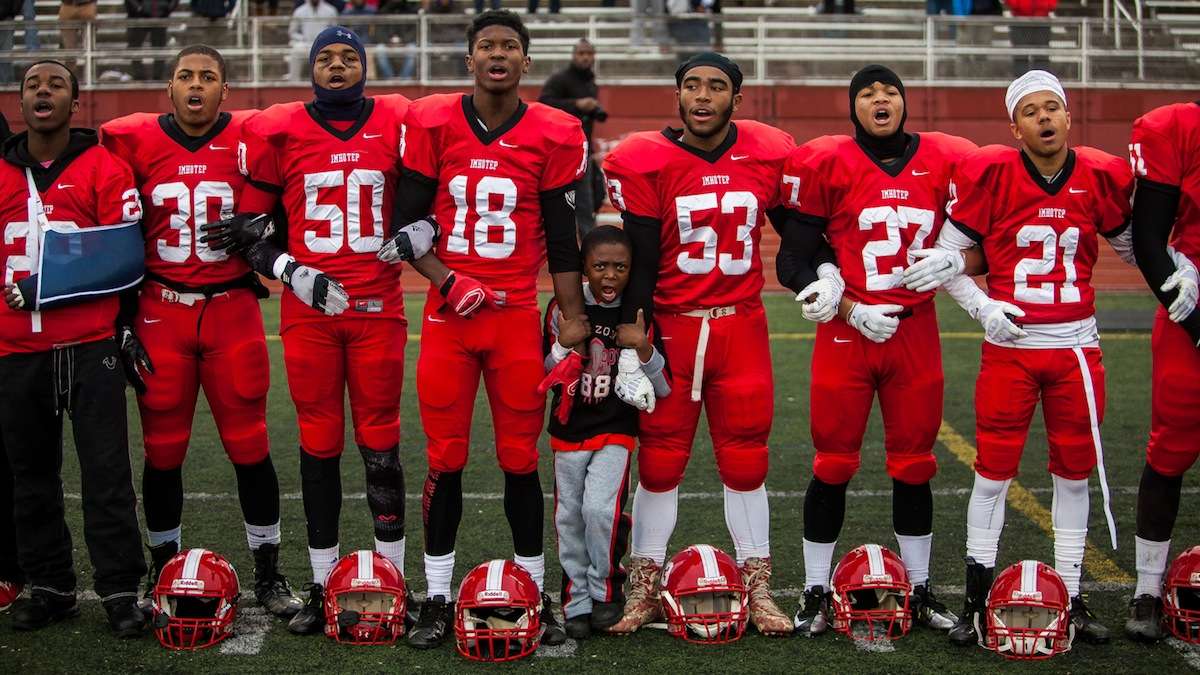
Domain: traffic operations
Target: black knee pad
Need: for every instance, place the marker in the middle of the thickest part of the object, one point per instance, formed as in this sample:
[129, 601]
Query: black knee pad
[1157, 504]
[385, 491]
[824, 510]
[912, 508]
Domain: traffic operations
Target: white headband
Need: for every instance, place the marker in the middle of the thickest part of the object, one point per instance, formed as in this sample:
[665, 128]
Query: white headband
[1033, 81]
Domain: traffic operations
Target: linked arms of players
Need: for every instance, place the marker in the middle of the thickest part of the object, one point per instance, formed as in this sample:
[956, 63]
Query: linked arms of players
[806, 264]
[1171, 275]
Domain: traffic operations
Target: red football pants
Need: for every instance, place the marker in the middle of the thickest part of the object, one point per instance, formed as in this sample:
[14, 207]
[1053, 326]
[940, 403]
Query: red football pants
[1070, 383]
[505, 346]
[848, 370]
[737, 392]
[217, 344]
[326, 357]
[1174, 400]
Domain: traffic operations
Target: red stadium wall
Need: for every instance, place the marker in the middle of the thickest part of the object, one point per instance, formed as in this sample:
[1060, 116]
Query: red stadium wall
[1101, 118]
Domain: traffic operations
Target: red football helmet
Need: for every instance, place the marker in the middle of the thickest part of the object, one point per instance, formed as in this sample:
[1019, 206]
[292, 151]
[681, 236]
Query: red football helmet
[365, 600]
[1028, 613]
[703, 596]
[871, 589]
[1181, 596]
[497, 614]
[195, 600]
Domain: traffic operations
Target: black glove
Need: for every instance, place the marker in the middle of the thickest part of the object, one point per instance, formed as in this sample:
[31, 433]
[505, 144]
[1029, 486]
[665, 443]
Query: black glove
[133, 357]
[238, 233]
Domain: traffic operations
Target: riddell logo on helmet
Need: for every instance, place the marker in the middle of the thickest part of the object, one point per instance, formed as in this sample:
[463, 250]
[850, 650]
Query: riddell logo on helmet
[360, 583]
[1027, 595]
[877, 578]
[498, 595]
[187, 585]
[711, 581]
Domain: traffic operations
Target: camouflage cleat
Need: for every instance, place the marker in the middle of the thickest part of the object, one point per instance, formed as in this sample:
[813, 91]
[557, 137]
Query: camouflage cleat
[643, 603]
[766, 616]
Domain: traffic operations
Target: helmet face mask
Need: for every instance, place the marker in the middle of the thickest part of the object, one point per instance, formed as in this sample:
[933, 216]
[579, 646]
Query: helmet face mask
[704, 597]
[870, 595]
[195, 600]
[365, 600]
[1028, 613]
[1181, 596]
[497, 616]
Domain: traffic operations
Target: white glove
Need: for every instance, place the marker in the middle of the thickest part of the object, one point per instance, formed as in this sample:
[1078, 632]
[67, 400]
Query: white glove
[821, 298]
[632, 385]
[1185, 280]
[875, 321]
[413, 241]
[994, 316]
[934, 267]
[315, 288]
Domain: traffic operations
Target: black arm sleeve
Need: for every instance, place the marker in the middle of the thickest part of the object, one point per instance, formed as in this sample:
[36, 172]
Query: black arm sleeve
[127, 310]
[558, 217]
[414, 199]
[645, 233]
[1154, 208]
[802, 241]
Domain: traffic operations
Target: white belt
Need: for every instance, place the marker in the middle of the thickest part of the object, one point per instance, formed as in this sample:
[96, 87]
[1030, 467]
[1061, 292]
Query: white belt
[189, 299]
[702, 342]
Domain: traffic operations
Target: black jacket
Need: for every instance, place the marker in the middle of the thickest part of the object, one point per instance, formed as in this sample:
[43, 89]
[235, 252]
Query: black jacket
[567, 85]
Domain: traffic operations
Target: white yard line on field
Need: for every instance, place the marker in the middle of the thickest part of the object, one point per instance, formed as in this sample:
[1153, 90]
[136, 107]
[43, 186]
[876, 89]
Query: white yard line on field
[1189, 652]
[249, 632]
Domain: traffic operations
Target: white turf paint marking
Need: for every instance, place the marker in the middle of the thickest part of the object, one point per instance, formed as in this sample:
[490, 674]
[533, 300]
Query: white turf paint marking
[874, 646]
[1189, 652]
[686, 496]
[564, 651]
[249, 632]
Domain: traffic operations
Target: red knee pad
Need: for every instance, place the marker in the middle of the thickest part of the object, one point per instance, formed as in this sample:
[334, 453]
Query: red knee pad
[166, 453]
[446, 457]
[742, 469]
[248, 446]
[835, 468]
[1167, 462]
[661, 470]
[378, 436]
[912, 469]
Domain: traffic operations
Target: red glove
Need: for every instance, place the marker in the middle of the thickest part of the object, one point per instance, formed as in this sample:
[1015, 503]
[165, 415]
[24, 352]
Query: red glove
[466, 295]
[566, 373]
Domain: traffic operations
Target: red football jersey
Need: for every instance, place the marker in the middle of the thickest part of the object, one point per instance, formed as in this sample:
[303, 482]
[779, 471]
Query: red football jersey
[95, 188]
[1040, 239]
[184, 183]
[876, 214]
[1165, 148]
[488, 201]
[337, 185]
[712, 207]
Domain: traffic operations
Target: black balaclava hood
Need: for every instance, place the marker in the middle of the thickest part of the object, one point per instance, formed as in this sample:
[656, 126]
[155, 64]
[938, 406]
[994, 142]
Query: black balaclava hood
[339, 104]
[888, 147]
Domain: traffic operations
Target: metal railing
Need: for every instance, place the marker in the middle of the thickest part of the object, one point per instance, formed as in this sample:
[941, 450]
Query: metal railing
[772, 47]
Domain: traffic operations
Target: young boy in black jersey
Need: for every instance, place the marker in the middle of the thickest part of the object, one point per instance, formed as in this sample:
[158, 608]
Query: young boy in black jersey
[592, 435]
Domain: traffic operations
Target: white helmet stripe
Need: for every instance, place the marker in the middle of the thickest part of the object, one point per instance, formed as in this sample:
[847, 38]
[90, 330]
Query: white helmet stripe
[875, 559]
[708, 558]
[1029, 576]
[495, 575]
[366, 568]
[191, 564]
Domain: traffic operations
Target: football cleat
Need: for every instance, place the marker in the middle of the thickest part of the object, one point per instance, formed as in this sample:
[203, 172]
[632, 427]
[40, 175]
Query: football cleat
[159, 556]
[1145, 623]
[979, 581]
[41, 609]
[644, 602]
[498, 614]
[766, 616]
[552, 632]
[271, 588]
[432, 623]
[125, 619]
[704, 596]
[1087, 627]
[870, 594]
[1181, 596]
[1029, 614]
[194, 604]
[365, 600]
[311, 618]
[812, 616]
[928, 612]
[605, 614]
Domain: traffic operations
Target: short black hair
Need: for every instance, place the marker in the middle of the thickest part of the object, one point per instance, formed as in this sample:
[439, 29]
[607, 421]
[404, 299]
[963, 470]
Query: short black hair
[70, 73]
[202, 50]
[605, 234]
[497, 17]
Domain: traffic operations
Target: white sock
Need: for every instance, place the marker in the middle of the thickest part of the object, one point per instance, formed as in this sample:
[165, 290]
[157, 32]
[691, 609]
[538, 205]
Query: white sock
[393, 551]
[439, 569]
[985, 519]
[160, 538]
[654, 515]
[257, 535]
[1151, 564]
[748, 517]
[914, 551]
[535, 565]
[1069, 513]
[322, 560]
[983, 545]
[818, 559]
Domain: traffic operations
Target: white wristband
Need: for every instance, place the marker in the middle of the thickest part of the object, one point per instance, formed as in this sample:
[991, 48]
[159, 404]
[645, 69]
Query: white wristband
[280, 264]
[558, 351]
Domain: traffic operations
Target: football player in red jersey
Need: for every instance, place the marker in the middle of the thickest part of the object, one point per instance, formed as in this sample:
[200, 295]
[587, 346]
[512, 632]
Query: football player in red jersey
[1165, 155]
[694, 201]
[498, 174]
[1035, 213]
[332, 165]
[198, 315]
[878, 198]
[64, 360]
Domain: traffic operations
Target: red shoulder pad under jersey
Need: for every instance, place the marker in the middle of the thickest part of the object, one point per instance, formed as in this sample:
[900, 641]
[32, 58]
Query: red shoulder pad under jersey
[977, 178]
[1165, 145]
[263, 138]
[808, 175]
[1114, 188]
[631, 170]
[565, 148]
[123, 135]
[420, 134]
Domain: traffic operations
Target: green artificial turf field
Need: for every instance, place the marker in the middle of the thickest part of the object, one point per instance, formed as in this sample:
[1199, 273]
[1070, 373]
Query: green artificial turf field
[212, 520]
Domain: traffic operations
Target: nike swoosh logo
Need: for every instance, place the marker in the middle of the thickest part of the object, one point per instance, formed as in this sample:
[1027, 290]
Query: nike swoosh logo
[370, 136]
[152, 320]
[841, 341]
[920, 173]
[1075, 191]
[433, 319]
[738, 157]
[64, 186]
[218, 147]
[507, 145]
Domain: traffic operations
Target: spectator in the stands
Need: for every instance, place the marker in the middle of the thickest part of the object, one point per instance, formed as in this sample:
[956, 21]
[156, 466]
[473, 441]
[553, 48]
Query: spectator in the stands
[29, 13]
[692, 33]
[555, 6]
[214, 13]
[574, 90]
[157, 34]
[8, 12]
[365, 30]
[648, 22]
[845, 7]
[495, 4]
[74, 12]
[308, 20]
[396, 35]
[1032, 34]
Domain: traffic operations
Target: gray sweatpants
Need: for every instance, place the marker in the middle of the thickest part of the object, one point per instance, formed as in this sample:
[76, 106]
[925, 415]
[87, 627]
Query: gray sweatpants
[591, 488]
